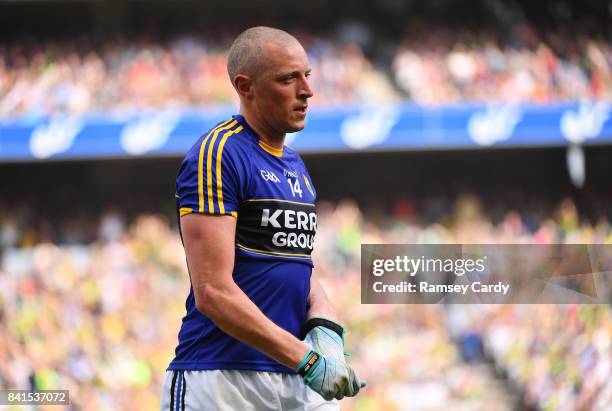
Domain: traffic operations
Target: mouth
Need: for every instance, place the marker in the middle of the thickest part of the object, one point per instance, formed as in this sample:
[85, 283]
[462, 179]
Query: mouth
[301, 109]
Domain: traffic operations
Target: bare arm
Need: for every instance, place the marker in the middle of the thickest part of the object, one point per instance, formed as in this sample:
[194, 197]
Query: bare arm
[209, 245]
[318, 303]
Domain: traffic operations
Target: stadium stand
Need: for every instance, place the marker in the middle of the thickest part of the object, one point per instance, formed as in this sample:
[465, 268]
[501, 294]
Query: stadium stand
[431, 67]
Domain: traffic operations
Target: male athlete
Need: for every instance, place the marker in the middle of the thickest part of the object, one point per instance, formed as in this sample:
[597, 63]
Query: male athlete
[248, 220]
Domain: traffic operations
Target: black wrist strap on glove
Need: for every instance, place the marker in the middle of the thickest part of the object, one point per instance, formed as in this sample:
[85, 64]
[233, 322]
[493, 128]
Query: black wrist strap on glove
[322, 322]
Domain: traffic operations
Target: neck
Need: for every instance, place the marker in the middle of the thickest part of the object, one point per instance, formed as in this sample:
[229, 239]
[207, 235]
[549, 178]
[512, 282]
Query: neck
[265, 133]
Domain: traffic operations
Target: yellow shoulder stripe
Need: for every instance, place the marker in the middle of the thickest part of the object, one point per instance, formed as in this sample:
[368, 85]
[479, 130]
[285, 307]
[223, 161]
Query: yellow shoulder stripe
[209, 179]
[201, 163]
[218, 173]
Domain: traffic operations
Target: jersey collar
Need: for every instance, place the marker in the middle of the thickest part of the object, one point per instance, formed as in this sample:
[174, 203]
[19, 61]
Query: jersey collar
[266, 147]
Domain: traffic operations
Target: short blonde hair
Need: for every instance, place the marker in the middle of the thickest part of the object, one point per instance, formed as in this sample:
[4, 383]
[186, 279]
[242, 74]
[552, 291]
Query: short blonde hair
[246, 55]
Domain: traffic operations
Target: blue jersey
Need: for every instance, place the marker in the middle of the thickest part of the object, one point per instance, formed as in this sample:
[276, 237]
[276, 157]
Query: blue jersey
[230, 171]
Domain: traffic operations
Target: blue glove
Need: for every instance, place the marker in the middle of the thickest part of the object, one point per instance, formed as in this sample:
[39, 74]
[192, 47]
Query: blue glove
[328, 377]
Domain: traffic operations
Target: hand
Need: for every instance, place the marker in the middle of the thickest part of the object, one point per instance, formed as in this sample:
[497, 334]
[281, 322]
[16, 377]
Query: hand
[328, 377]
[326, 337]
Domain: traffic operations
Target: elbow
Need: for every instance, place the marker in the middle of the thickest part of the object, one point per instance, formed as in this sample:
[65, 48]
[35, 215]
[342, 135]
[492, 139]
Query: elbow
[208, 300]
[202, 306]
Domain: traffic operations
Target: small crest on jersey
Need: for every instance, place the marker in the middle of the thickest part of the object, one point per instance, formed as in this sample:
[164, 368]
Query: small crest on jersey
[308, 184]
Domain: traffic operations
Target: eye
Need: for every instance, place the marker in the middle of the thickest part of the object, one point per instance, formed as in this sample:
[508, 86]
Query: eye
[287, 79]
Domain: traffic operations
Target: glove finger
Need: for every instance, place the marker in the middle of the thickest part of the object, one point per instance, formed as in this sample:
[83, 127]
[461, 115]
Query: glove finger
[362, 384]
[343, 389]
[354, 385]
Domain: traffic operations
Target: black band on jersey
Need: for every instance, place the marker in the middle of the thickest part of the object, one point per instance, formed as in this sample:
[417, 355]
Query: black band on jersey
[322, 322]
[277, 228]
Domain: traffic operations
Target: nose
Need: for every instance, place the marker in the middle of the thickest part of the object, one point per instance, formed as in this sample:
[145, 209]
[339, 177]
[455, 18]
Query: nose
[305, 91]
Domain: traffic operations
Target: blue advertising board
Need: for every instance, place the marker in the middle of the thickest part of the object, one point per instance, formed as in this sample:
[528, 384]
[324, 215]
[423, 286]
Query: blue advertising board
[365, 128]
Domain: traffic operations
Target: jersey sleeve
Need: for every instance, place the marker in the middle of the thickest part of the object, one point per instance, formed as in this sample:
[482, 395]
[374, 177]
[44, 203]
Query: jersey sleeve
[214, 175]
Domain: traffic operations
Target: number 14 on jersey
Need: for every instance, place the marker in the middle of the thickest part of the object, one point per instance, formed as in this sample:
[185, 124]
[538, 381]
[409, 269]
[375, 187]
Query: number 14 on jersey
[295, 187]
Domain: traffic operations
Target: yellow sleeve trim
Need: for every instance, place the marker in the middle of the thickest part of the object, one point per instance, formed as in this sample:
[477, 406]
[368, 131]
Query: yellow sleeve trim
[183, 211]
[268, 148]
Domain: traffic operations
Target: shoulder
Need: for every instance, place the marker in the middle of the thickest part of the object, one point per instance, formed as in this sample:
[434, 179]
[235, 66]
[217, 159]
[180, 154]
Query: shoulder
[236, 143]
[293, 155]
[227, 139]
[290, 151]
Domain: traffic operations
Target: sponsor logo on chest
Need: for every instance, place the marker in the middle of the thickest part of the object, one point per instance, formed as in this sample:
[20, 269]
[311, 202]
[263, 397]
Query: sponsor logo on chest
[277, 226]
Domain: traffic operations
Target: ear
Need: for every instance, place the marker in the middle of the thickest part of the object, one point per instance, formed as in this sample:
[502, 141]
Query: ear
[243, 85]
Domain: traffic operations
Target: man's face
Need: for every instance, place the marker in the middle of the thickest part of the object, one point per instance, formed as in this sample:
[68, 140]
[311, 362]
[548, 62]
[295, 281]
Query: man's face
[281, 91]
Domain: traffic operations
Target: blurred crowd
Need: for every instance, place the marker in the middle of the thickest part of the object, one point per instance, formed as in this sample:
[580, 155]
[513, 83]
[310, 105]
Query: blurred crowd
[555, 357]
[427, 66]
[101, 318]
[93, 319]
[450, 66]
[119, 76]
[561, 357]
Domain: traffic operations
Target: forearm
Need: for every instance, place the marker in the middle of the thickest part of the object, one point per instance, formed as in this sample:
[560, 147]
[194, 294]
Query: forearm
[239, 317]
[318, 303]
